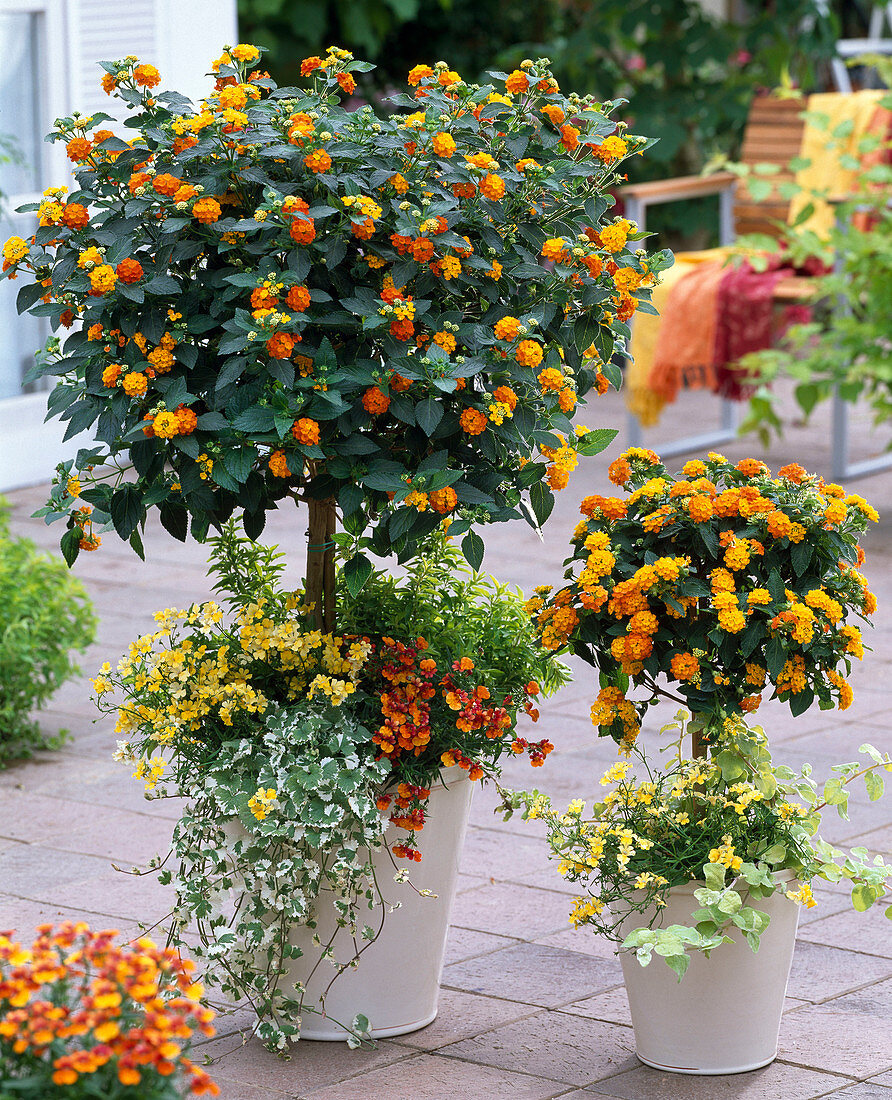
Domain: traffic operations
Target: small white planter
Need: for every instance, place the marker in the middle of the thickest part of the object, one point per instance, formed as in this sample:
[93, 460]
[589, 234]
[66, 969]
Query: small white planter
[397, 981]
[724, 1016]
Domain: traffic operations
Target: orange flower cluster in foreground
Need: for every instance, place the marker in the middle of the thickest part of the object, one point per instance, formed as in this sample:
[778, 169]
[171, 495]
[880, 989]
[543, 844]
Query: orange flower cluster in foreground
[76, 1003]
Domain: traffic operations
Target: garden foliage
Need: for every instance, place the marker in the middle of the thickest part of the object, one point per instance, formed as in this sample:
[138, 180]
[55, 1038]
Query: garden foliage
[45, 616]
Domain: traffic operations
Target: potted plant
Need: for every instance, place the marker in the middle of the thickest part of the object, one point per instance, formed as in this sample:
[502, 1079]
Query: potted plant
[722, 581]
[298, 750]
[83, 1016]
[389, 319]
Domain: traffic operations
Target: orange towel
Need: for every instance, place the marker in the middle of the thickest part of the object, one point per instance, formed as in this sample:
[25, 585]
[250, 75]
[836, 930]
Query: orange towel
[685, 352]
[641, 399]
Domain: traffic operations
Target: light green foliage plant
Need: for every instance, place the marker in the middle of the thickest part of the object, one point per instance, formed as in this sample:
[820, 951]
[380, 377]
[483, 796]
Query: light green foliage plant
[45, 615]
[311, 836]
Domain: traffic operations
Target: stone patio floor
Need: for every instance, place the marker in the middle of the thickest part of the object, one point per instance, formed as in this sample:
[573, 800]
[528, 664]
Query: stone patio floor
[530, 1008]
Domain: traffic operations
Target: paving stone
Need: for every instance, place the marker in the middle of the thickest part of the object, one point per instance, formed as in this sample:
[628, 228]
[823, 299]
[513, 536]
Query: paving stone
[582, 940]
[510, 909]
[550, 879]
[308, 1066]
[771, 1083]
[234, 1090]
[433, 1077]
[612, 1007]
[832, 898]
[841, 1042]
[534, 973]
[574, 1050]
[870, 932]
[872, 1000]
[463, 1015]
[119, 895]
[864, 1090]
[492, 853]
[465, 943]
[485, 805]
[879, 841]
[24, 916]
[819, 972]
[30, 871]
[118, 836]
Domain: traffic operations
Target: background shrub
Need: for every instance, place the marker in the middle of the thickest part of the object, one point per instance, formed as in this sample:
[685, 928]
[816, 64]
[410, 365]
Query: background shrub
[44, 615]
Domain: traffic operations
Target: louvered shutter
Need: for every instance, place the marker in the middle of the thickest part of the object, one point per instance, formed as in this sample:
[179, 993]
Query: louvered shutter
[101, 30]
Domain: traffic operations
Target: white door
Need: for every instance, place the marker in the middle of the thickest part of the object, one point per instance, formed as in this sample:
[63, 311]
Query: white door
[32, 94]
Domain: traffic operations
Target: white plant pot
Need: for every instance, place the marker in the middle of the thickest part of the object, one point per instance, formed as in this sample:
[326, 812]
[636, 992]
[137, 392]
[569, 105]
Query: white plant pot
[724, 1016]
[396, 983]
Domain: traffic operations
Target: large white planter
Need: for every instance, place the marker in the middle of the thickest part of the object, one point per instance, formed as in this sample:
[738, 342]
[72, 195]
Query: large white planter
[397, 981]
[724, 1016]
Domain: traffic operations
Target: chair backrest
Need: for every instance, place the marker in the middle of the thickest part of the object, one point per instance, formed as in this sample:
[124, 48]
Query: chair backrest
[773, 135]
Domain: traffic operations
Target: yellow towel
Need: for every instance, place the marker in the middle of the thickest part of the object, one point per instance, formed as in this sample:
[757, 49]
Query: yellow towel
[826, 173]
[640, 398]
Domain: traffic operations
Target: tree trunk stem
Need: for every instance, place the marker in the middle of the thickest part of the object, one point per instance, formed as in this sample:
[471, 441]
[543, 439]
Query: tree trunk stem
[321, 563]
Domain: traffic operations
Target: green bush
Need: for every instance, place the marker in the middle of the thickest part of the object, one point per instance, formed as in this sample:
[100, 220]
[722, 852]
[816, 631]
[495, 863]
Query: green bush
[44, 615]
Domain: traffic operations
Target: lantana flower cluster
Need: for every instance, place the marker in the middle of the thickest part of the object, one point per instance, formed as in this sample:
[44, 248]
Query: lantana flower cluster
[266, 289]
[724, 579]
[77, 1007]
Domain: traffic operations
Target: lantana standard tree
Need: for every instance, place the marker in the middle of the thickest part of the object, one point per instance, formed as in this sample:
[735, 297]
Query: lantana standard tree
[390, 318]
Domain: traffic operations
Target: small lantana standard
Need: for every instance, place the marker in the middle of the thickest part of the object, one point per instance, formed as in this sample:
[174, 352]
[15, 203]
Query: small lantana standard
[723, 578]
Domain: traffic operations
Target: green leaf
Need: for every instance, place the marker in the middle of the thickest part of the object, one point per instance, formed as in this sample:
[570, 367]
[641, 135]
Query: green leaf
[714, 876]
[862, 897]
[256, 419]
[678, 963]
[70, 546]
[775, 657]
[733, 767]
[596, 441]
[542, 501]
[801, 556]
[428, 414]
[472, 548]
[163, 284]
[174, 519]
[136, 543]
[356, 572]
[239, 462]
[126, 510]
[875, 785]
[834, 793]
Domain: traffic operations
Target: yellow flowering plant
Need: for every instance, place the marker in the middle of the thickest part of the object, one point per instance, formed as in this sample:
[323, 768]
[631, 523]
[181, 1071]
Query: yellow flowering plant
[390, 318]
[314, 744]
[733, 832]
[723, 579]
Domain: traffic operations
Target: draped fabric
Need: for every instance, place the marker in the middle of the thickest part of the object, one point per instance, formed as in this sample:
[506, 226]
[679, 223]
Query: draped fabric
[712, 311]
